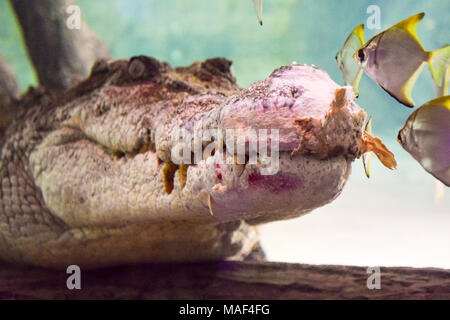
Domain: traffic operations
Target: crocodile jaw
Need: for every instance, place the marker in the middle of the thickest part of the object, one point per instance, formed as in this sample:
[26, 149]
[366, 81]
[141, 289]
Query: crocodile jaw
[91, 208]
[309, 175]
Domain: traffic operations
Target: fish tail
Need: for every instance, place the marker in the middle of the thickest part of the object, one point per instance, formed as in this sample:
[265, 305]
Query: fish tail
[439, 65]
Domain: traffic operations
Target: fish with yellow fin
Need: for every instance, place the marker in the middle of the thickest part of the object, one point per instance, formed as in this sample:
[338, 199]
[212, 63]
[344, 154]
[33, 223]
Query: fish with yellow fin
[440, 70]
[394, 59]
[258, 6]
[350, 69]
[426, 136]
[441, 88]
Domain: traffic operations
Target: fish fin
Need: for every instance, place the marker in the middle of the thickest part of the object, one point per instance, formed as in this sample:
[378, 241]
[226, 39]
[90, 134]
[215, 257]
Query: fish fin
[375, 145]
[439, 65]
[410, 26]
[442, 101]
[366, 163]
[367, 156]
[439, 191]
[355, 83]
[259, 7]
[409, 105]
[444, 90]
[408, 87]
[353, 42]
[359, 32]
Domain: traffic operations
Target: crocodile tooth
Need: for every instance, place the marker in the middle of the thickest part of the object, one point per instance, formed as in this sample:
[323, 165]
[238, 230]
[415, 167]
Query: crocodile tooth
[211, 212]
[206, 199]
[182, 174]
[238, 169]
[208, 152]
[168, 174]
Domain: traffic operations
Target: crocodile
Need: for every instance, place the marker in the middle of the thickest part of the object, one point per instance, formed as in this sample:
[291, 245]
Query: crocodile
[88, 176]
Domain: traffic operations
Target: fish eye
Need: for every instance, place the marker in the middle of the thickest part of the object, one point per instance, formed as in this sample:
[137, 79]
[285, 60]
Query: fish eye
[336, 57]
[361, 55]
[399, 137]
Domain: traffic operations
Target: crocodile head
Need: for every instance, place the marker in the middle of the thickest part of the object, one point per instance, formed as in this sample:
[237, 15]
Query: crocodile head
[111, 185]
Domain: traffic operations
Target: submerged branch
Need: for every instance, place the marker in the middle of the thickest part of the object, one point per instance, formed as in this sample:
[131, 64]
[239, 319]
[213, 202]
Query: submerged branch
[62, 56]
[9, 92]
[227, 280]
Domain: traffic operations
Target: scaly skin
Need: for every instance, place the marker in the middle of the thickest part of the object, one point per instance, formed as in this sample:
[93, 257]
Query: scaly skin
[87, 176]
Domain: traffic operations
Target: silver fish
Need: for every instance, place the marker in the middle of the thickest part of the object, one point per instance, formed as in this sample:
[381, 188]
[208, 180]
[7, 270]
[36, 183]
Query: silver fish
[351, 69]
[394, 59]
[426, 136]
[439, 66]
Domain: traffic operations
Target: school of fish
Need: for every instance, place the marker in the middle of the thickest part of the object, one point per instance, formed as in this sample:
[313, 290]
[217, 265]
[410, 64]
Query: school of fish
[394, 59]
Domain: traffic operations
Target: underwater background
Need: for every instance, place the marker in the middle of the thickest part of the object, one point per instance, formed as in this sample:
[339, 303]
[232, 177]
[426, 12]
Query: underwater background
[395, 217]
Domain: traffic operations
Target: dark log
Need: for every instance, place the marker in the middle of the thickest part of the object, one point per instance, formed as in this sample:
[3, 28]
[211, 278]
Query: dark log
[226, 280]
[9, 92]
[61, 56]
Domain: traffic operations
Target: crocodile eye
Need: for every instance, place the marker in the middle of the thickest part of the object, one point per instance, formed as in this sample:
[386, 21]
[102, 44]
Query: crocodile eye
[361, 55]
[136, 68]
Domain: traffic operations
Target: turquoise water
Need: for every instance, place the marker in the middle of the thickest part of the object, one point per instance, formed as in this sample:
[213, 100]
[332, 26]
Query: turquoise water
[391, 219]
